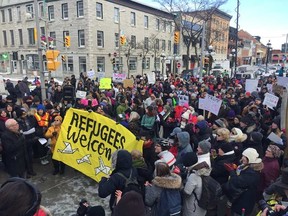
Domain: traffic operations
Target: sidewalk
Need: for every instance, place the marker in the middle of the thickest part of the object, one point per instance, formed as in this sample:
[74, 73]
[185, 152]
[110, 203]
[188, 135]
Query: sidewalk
[61, 193]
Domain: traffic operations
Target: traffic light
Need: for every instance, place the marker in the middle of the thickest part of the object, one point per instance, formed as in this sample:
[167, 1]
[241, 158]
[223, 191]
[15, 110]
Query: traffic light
[67, 41]
[52, 63]
[176, 37]
[63, 58]
[113, 61]
[122, 40]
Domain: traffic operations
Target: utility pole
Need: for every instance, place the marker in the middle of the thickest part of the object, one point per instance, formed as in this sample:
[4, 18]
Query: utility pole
[202, 49]
[40, 57]
[237, 29]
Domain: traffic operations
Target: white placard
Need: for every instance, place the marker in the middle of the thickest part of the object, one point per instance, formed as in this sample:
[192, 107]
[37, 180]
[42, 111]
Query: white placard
[117, 77]
[81, 94]
[100, 75]
[91, 74]
[269, 87]
[283, 81]
[42, 141]
[270, 100]
[2, 85]
[274, 138]
[251, 85]
[213, 104]
[183, 100]
[151, 77]
[202, 104]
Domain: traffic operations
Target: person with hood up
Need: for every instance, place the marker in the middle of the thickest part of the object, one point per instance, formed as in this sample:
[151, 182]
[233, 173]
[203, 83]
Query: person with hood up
[182, 142]
[255, 142]
[203, 152]
[122, 163]
[202, 132]
[241, 188]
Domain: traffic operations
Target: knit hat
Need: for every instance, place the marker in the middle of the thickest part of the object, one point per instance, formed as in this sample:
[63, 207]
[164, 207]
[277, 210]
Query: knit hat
[231, 114]
[202, 125]
[252, 155]
[189, 159]
[220, 123]
[226, 147]
[175, 131]
[58, 118]
[96, 211]
[275, 150]
[186, 115]
[246, 120]
[277, 121]
[248, 94]
[166, 157]
[40, 107]
[256, 137]
[205, 146]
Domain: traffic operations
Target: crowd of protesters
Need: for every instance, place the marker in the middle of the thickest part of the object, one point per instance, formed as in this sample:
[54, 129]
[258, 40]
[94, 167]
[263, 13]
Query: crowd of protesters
[181, 142]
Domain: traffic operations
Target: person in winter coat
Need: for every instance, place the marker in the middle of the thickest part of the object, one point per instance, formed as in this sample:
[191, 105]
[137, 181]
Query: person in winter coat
[225, 155]
[134, 123]
[194, 185]
[236, 139]
[183, 145]
[164, 180]
[53, 133]
[3, 119]
[14, 150]
[121, 163]
[255, 142]
[241, 189]
[203, 152]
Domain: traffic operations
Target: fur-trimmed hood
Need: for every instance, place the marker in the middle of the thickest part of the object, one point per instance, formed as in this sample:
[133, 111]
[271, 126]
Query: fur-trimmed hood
[173, 181]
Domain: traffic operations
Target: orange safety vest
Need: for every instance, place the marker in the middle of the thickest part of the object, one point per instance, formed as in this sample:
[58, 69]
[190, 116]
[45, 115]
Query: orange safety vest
[43, 121]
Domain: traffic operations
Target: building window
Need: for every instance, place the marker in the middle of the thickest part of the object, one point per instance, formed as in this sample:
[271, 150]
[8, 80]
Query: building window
[53, 41]
[99, 10]
[42, 31]
[82, 64]
[146, 22]
[5, 38]
[101, 64]
[133, 41]
[30, 11]
[157, 47]
[117, 40]
[146, 63]
[10, 14]
[65, 33]
[170, 27]
[163, 45]
[18, 13]
[69, 60]
[100, 38]
[12, 38]
[41, 9]
[169, 45]
[157, 63]
[3, 16]
[164, 26]
[146, 43]
[133, 19]
[51, 14]
[116, 14]
[20, 33]
[157, 24]
[65, 11]
[80, 9]
[133, 63]
[81, 38]
[31, 39]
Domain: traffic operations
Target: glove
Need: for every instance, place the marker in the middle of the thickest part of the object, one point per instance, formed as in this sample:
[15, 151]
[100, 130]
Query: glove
[230, 167]
[54, 133]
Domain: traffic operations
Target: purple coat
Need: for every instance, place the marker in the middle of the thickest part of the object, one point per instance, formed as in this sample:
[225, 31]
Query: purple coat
[270, 172]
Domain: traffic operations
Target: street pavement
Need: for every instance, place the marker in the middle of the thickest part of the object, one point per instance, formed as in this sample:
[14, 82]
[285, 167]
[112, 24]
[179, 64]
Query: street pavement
[61, 194]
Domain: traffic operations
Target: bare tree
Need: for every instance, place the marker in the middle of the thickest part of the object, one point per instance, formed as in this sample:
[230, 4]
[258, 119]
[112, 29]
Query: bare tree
[128, 49]
[190, 15]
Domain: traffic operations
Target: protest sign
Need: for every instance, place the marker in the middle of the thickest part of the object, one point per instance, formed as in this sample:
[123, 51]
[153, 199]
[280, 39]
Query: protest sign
[81, 94]
[210, 103]
[91, 74]
[87, 141]
[100, 75]
[151, 77]
[183, 100]
[251, 85]
[128, 83]
[202, 104]
[119, 77]
[105, 83]
[270, 100]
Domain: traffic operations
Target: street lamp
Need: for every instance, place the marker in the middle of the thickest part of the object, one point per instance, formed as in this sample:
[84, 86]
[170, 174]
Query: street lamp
[119, 37]
[163, 61]
[267, 55]
[232, 55]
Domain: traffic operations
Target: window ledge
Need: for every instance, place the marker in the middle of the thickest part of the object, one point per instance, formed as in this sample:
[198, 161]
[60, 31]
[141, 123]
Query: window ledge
[82, 47]
[80, 17]
[100, 19]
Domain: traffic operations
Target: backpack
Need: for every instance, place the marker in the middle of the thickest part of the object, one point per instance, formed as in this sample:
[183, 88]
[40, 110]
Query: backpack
[211, 193]
[131, 183]
[169, 203]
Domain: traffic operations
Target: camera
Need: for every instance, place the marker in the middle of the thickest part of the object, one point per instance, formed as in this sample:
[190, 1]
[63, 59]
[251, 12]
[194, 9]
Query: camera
[83, 207]
[263, 205]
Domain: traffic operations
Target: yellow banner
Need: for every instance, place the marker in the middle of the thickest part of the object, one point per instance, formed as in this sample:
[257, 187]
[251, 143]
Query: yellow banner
[87, 141]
